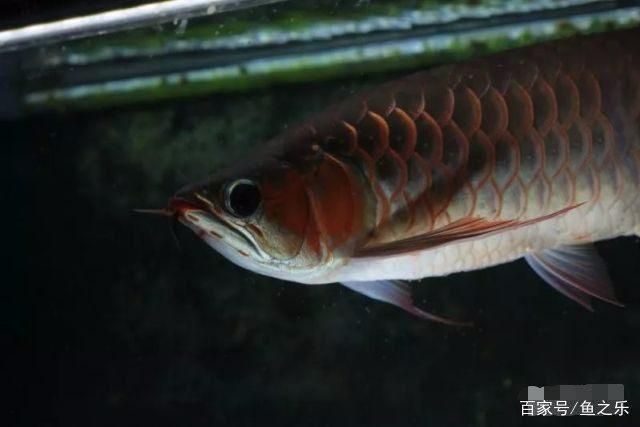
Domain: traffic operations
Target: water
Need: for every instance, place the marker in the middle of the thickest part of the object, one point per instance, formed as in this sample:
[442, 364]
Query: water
[109, 323]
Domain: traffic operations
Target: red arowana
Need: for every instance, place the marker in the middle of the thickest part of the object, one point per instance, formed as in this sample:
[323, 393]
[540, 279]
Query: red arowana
[530, 153]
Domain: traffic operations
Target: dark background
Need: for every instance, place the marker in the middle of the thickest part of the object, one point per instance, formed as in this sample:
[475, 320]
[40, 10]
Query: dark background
[107, 323]
[110, 324]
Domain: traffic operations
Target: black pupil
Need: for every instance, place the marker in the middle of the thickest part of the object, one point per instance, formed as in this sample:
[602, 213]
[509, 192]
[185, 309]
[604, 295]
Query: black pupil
[244, 199]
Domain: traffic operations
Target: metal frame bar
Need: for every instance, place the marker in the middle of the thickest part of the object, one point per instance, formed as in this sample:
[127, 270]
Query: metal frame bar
[119, 19]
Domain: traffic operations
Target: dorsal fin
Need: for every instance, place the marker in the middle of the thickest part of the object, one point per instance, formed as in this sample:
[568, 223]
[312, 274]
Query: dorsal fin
[465, 228]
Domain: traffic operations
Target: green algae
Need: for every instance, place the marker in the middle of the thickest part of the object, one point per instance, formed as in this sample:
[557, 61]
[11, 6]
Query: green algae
[305, 66]
[276, 17]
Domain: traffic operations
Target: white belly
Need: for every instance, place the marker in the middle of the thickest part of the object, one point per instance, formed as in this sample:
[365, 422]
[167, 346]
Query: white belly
[584, 224]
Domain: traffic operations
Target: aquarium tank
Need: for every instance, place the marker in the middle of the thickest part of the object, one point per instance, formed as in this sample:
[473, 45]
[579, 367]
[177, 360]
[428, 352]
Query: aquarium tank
[113, 316]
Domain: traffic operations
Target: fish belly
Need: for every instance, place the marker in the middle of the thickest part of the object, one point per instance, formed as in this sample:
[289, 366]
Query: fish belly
[583, 225]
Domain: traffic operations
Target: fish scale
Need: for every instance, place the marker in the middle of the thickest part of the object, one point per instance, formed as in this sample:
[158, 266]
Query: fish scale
[549, 126]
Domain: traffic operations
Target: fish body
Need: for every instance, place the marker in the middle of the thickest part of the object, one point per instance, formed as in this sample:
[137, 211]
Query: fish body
[531, 153]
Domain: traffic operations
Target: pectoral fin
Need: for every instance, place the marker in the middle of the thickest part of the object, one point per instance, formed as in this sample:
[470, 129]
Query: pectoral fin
[465, 228]
[576, 271]
[399, 294]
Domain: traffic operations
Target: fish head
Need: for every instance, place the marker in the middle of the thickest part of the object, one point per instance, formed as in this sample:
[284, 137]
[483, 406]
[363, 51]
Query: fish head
[259, 218]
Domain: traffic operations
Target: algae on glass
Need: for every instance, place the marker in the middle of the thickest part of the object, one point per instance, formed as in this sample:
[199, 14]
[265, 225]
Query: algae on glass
[293, 43]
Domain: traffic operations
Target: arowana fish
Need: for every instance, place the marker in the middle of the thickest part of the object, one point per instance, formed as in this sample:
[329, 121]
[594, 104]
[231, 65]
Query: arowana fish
[530, 153]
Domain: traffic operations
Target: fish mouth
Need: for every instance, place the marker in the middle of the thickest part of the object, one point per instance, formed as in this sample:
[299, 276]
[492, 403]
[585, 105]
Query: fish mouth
[206, 220]
[179, 205]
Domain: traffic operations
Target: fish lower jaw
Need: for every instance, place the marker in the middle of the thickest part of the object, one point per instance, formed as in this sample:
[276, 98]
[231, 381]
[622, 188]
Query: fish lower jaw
[271, 268]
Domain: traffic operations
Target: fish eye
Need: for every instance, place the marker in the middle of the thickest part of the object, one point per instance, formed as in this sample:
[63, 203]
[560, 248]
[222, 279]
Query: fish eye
[242, 198]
